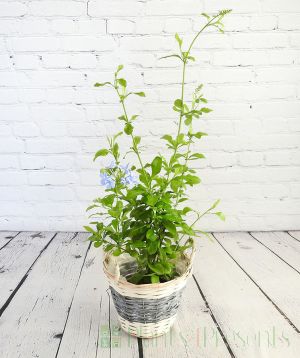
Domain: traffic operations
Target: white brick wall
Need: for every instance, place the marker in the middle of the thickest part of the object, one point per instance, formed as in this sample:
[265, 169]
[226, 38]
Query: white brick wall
[52, 119]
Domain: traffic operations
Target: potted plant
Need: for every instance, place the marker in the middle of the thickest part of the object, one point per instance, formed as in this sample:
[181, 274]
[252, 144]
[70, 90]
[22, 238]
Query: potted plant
[143, 226]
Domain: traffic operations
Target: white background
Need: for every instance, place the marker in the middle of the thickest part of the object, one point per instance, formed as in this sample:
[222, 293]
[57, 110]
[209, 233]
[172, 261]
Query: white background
[52, 120]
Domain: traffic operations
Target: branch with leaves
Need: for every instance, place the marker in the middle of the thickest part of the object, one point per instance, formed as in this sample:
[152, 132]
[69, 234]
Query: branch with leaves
[142, 212]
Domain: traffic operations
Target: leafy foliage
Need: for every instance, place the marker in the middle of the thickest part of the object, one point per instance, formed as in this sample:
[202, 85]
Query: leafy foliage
[146, 218]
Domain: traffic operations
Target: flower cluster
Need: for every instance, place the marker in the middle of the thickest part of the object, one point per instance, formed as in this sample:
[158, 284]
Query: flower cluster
[114, 172]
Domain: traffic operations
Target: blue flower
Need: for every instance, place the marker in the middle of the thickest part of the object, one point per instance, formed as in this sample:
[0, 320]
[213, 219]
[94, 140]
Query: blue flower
[129, 179]
[107, 181]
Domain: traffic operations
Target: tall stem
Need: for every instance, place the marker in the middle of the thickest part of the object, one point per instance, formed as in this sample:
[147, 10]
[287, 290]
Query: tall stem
[132, 137]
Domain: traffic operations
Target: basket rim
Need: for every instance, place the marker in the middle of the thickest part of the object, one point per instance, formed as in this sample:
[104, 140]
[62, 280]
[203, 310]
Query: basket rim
[182, 277]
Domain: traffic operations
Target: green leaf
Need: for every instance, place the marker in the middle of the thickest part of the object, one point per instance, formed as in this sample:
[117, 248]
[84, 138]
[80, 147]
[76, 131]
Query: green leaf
[101, 84]
[157, 268]
[186, 210]
[171, 228]
[156, 166]
[178, 103]
[215, 204]
[134, 117]
[120, 67]
[101, 153]
[178, 39]
[137, 140]
[206, 110]
[122, 82]
[117, 252]
[150, 235]
[128, 129]
[196, 156]
[141, 94]
[170, 56]
[199, 135]
[152, 247]
[154, 279]
[115, 149]
[89, 229]
[108, 200]
[220, 215]
[206, 16]
[97, 243]
[192, 179]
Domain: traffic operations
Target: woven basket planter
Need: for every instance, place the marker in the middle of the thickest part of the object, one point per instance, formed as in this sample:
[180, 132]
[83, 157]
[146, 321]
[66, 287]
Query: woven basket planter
[146, 310]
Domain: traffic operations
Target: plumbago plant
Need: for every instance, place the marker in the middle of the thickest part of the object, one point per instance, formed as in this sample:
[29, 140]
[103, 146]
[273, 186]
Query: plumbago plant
[143, 212]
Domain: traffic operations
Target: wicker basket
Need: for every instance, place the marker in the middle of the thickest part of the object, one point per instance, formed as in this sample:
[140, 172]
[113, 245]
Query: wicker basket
[146, 310]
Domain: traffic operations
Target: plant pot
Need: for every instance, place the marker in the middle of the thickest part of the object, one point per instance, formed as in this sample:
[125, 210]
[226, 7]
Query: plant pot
[146, 310]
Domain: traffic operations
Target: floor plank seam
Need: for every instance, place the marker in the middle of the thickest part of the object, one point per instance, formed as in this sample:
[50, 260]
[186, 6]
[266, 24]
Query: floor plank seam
[23, 279]
[70, 306]
[8, 241]
[263, 292]
[109, 323]
[140, 346]
[274, 253]
[214, 319]
[292, 236]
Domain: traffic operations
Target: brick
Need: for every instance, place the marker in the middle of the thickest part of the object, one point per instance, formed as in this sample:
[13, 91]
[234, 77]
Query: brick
[250, 159]
[4, 62]
[34, 26]
[174, 25]
[12, 178]
[9, 161]
[35, 44]
[57, 8]
[63, 26]
[5, 130]
[14, 112]
[26, 129]
[268, 22]
[114, 8]
[148, 26]
[26, 62]
[35, 161]
[260, 40]
[51, 178]
[52, 146]
[88, 43]
[90, 26]
[29, 95]
[278, 74]
[240, 58]
[239, 7]
[116, 26]
[280, 6]
[147, 43]
[168, 7]
[8, 96]
[289, 22]
[13, 9]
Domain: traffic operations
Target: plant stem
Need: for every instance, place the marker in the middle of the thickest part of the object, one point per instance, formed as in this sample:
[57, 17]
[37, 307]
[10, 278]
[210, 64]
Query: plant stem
[135, 148]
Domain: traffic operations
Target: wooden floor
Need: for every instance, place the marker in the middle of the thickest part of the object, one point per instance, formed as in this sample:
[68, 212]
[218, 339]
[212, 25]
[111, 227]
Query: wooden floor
[243, 300]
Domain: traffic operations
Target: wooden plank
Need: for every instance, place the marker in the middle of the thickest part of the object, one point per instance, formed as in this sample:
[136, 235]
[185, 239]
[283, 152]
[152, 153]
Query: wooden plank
[251, 323]
[295, 234]
[16, 258]
[283, 245]
[6, 237]
[32, 324]
[92, 328]
[279, 281]
[194, 333]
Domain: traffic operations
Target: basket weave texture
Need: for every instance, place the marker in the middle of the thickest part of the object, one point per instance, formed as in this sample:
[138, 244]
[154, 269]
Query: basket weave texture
[146, 310]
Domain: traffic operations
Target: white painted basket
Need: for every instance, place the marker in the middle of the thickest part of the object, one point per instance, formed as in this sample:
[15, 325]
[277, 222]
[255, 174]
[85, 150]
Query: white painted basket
[146, 310]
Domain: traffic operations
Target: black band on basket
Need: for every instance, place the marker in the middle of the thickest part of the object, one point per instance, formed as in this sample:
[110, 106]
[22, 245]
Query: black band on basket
[145, 310]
